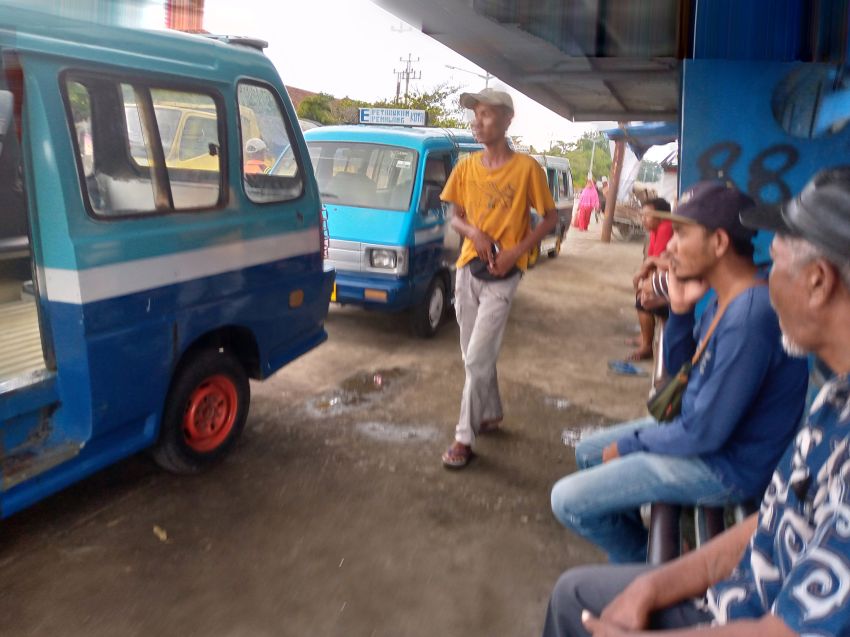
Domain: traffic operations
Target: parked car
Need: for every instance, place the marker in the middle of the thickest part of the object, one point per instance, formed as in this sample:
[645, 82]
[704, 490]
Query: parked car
[561, 186]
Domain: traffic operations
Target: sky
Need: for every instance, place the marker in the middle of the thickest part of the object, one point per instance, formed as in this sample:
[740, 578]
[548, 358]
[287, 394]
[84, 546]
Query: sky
[352, 48]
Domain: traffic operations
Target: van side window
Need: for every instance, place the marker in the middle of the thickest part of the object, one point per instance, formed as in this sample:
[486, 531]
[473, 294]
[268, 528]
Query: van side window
[266, 145]
[564, 185]
[13, 211]
[145, 150]
[437, 170]
[552, 178]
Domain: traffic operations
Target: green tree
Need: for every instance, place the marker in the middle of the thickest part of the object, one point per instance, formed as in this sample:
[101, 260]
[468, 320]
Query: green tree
[347, 110]
[319, 108]
[650, 171]
[441, 104]
[579, 153]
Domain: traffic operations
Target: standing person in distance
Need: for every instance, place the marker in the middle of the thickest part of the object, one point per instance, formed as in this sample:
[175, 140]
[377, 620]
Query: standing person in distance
[588, 202]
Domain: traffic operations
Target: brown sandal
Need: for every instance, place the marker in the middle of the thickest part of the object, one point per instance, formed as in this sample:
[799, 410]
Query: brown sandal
[489, 426]
[457, 456]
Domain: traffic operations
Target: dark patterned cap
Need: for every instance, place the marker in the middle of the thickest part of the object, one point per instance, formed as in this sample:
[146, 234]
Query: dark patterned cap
[714, 205]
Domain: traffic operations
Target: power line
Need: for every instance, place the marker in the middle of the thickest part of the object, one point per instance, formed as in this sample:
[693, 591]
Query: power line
[407, 73]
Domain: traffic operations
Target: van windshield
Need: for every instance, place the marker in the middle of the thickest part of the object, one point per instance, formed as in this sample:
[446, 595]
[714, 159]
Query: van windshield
[364, 175]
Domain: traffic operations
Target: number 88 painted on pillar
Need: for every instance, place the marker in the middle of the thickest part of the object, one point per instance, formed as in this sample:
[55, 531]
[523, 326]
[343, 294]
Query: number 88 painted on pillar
[765, 182]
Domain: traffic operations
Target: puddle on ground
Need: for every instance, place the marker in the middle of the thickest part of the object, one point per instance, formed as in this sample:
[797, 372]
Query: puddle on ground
[571, 436]
[561, 404]
[359, 390]
[391, 432]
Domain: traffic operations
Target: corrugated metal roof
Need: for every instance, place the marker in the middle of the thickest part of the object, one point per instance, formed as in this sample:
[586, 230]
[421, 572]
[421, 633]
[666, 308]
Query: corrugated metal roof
[621, 60]
[587, 60]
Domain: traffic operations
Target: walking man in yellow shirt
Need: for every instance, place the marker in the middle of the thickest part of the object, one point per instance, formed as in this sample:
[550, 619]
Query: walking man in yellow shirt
[490, 193]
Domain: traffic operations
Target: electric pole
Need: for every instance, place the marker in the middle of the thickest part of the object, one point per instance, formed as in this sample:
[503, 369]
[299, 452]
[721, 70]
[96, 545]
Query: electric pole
[592, 153]
[407, 73]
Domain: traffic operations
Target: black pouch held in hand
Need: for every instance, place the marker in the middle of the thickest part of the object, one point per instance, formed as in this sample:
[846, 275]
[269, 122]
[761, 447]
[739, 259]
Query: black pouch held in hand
[480, 269]
[666, 404]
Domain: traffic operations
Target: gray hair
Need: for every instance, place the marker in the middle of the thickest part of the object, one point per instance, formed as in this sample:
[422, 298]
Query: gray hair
[804, 252]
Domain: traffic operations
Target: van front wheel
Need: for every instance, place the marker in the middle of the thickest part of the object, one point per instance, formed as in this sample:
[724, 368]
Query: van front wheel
[429, 312]
[205, 412]
[533, 256]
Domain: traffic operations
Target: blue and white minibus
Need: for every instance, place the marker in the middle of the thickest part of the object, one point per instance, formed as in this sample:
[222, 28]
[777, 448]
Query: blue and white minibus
[145, 273]
[390, 240]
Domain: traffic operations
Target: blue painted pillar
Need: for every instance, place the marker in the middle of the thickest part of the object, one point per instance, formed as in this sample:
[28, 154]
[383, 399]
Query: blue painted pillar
[759, 69]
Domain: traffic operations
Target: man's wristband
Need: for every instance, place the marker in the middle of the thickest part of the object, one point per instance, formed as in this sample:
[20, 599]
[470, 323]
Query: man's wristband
[660, 285]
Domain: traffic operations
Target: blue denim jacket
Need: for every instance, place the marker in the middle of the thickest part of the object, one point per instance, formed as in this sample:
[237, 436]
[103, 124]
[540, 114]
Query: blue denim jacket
[744, 399]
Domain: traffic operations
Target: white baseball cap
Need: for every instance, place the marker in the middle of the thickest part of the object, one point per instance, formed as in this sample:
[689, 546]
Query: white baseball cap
[255, 145]
[491, 96]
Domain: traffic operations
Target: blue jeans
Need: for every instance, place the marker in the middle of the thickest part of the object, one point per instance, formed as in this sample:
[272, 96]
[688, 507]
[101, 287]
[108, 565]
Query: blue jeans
[601, 502]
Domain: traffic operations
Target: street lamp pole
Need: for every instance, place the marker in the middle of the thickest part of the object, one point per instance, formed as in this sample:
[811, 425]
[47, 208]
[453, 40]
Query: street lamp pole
[486, 77]
[590, 167]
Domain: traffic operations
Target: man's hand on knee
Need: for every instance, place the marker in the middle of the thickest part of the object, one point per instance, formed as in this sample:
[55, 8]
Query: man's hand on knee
[630, 610]
[600, 628]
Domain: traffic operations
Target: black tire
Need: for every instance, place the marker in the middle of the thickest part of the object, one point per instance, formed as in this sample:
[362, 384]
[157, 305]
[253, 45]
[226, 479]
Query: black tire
[557, 250]
[428, 314]
[533, 257]
[175, 450]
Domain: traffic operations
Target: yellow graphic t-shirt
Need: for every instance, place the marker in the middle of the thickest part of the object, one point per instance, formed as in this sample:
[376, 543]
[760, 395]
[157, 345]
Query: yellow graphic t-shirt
[497, 201]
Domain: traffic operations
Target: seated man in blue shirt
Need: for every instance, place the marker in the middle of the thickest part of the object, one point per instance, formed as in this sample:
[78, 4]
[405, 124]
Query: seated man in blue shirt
[744, 398]
[785, 570]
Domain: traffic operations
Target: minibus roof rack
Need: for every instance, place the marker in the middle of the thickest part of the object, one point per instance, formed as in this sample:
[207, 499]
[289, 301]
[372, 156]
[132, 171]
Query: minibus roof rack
[240, 40]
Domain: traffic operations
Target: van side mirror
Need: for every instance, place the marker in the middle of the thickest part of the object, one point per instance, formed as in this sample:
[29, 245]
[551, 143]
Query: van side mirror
[430, 199]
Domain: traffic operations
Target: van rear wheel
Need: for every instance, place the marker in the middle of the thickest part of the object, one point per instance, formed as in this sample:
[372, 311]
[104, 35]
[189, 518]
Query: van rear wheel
[428, 314]
[205, 412]
[554, 252]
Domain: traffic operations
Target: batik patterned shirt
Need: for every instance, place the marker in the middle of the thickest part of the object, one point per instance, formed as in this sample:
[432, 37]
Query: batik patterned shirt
[797, 566]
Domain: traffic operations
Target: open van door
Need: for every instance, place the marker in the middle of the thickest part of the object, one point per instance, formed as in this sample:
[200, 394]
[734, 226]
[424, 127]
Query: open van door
[28, 395]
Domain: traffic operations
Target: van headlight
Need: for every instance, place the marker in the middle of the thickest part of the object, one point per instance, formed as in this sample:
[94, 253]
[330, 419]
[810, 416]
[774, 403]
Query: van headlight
[384, 259]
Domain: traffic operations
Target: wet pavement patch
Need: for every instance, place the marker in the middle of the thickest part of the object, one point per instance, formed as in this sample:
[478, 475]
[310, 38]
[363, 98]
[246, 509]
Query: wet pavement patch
[561, 404]
[392, 432]
[359, 390]
[571, 436]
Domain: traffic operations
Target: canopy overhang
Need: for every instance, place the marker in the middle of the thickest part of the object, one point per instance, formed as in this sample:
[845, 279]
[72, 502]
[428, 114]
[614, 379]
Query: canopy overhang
[585, 60]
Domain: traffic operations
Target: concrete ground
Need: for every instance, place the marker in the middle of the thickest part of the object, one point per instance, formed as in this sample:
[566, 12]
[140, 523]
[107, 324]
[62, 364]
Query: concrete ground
[334, 515]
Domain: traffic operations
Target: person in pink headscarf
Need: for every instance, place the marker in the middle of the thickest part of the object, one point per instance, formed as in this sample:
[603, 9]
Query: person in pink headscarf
[588, 202]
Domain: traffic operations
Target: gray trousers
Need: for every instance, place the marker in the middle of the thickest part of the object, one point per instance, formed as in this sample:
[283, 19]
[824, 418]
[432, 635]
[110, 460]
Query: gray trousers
[593, 587]
[482, 309]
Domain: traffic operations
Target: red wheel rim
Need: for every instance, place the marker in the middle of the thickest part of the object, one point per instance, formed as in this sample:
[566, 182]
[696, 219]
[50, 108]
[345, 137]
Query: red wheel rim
[210, 413]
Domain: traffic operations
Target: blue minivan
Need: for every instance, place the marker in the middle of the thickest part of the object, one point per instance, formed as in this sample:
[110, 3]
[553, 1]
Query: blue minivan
[146, 271]
[390, 240]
